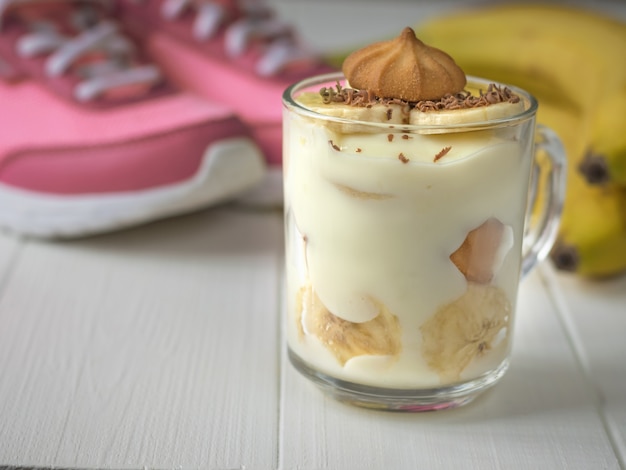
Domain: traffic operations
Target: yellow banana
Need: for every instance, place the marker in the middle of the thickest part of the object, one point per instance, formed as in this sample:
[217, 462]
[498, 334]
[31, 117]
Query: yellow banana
[558, 52]
[605, 160]
[493, 58]
[592, 31]
[592, 236]
[581, 26]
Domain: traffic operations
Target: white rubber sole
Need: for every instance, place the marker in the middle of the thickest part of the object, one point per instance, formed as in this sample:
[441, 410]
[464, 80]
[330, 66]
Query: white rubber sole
[229, 168]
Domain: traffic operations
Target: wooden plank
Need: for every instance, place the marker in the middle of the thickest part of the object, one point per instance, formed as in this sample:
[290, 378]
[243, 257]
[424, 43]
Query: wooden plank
[594, 314]
[153, 347]
[542, 415]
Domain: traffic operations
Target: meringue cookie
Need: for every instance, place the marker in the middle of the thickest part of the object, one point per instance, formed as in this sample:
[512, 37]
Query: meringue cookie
[404, 68]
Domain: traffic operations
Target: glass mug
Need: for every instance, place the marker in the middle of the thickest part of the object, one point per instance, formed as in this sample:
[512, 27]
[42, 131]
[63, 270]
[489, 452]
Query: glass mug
[402, 274]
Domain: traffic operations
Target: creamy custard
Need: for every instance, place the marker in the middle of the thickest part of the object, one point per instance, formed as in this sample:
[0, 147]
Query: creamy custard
[373, 219]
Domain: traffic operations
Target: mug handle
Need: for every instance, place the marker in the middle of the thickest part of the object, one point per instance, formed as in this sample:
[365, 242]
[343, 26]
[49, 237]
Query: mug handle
[546, 197]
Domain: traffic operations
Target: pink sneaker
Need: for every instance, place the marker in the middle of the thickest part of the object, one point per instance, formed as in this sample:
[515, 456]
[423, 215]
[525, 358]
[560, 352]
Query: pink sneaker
[235, 52]
[92, 138]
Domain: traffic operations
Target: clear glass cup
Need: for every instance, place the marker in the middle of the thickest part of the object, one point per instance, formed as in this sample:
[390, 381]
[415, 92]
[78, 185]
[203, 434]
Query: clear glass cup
[402, 272]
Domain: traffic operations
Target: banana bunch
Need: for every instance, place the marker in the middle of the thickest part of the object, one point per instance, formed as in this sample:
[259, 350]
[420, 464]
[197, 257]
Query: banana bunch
[574, 62]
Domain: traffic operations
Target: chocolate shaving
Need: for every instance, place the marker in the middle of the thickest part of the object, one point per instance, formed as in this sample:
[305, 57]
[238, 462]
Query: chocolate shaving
[390, 137]
[334, 145]
[462, 100]
[442, 152]
[402, 158]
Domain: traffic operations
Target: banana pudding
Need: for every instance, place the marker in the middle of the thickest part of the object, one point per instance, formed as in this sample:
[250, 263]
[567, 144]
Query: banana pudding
[405, 193]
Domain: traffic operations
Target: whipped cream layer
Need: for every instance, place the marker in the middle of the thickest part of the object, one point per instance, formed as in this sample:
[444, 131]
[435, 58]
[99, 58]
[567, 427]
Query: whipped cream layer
[372, 219]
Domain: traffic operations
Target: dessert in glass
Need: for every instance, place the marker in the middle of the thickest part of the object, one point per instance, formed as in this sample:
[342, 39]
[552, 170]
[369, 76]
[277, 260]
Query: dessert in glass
[406, 219]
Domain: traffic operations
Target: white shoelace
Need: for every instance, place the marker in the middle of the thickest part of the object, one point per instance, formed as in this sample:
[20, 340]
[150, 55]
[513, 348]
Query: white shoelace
[281, 51]
[116, 70]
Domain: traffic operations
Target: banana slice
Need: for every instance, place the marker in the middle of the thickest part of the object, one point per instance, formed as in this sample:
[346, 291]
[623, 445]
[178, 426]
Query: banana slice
[465, 329]
[447, 117]
[391, 114]
[380, 336]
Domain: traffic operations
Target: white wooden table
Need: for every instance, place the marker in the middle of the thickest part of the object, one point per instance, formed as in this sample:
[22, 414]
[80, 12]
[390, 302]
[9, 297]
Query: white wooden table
[161, 347]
